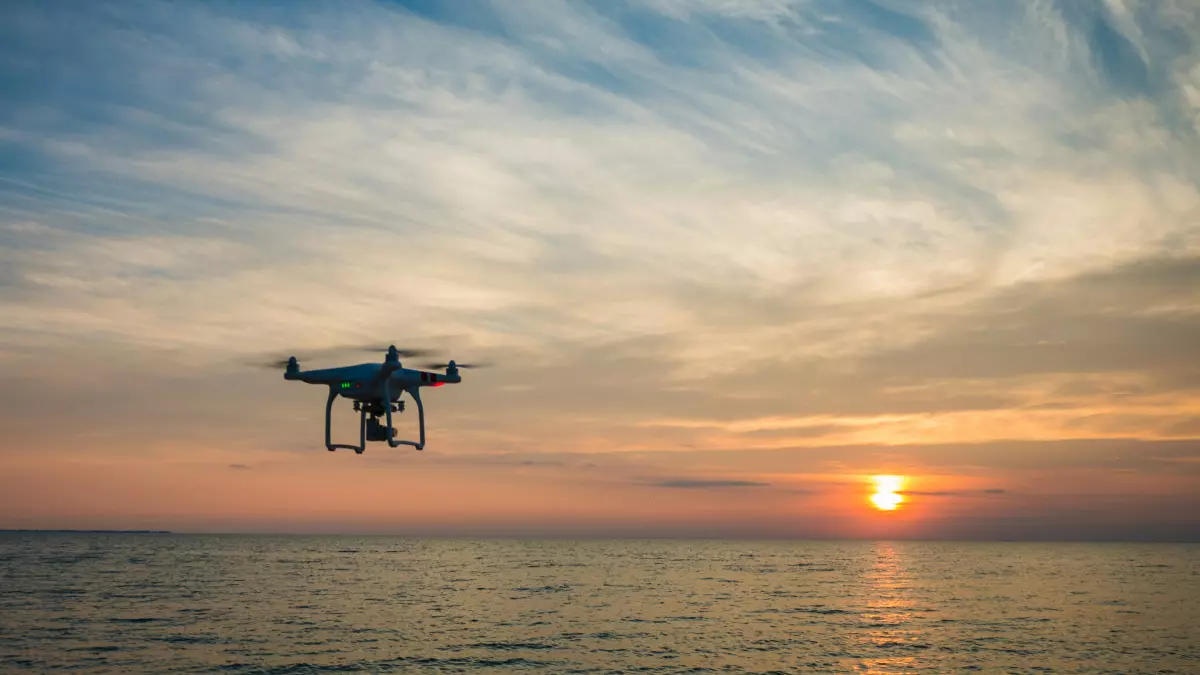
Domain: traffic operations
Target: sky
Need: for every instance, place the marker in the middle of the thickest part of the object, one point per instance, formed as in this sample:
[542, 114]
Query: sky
[730, 259]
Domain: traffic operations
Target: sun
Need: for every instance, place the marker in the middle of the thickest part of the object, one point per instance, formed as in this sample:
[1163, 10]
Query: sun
[887, 495]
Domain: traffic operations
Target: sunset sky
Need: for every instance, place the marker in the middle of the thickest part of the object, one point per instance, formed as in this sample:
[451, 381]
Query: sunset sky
[731, 259]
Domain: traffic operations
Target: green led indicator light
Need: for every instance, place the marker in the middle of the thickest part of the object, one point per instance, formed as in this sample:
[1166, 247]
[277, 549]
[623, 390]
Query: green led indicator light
[345, 385]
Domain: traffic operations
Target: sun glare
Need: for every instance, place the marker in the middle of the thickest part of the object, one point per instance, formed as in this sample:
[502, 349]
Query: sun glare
[887, 495]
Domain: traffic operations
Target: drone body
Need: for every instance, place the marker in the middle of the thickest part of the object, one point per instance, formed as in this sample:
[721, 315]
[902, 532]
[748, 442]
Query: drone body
[376, 389]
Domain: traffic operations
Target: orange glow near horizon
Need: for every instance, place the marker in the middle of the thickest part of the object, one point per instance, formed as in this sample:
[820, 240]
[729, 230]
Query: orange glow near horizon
[887, 495]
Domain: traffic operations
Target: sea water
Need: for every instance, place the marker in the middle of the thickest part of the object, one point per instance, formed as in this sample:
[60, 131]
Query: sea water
[94, 603]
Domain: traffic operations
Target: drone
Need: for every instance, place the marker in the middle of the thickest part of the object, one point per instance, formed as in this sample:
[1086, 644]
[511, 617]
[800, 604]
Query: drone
[376, 389]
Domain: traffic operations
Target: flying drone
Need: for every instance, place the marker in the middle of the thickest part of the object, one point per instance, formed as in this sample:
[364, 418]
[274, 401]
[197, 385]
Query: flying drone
[376, 389]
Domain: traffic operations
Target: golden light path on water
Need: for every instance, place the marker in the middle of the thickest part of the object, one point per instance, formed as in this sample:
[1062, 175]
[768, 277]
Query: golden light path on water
[891, 629]
[887, 495]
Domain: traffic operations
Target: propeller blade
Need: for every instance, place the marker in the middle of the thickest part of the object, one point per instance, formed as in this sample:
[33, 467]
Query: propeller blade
[404, 353]
[274, 364]
[443, 366]
[413, 353]
[331, 352]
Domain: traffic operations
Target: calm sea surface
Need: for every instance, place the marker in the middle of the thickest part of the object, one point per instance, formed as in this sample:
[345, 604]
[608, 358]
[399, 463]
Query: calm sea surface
[180, 603]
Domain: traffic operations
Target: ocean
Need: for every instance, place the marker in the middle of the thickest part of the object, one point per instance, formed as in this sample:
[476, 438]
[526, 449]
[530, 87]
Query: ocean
[119, 603]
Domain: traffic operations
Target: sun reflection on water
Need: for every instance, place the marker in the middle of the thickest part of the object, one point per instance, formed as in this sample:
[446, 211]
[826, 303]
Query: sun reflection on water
[889, 632]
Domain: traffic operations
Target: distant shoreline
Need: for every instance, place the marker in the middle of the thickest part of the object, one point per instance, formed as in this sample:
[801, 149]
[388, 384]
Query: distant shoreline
[85, 532]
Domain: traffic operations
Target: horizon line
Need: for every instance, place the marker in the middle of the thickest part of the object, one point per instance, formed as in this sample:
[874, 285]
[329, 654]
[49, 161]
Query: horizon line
[595, 537]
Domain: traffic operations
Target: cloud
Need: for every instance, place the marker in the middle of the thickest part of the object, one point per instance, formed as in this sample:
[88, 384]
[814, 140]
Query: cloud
[1050, 460]
[819, 158]
[707, 483]
[1142, 317]
[955, 493]
[239, 466]
[1102, 354]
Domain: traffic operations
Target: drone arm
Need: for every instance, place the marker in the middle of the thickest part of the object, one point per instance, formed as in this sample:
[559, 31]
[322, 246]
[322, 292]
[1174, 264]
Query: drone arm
[416, 394]
[362, 427]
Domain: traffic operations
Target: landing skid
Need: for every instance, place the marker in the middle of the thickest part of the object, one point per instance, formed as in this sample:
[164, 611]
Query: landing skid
[372, 430]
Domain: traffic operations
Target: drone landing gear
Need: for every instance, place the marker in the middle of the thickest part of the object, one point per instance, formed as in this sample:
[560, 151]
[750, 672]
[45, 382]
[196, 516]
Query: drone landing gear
[369, 427]
[362, 428]
[415, 392]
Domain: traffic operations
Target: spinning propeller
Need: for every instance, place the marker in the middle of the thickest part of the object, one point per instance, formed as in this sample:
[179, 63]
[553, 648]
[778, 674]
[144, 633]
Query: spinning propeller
[443, 366]
[402, 353]
[277, 363]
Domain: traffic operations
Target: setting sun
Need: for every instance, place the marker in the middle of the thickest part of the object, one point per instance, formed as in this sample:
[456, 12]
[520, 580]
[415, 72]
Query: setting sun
[887, 495]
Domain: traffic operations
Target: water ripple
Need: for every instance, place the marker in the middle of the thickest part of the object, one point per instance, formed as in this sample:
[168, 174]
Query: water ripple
[176, 604]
